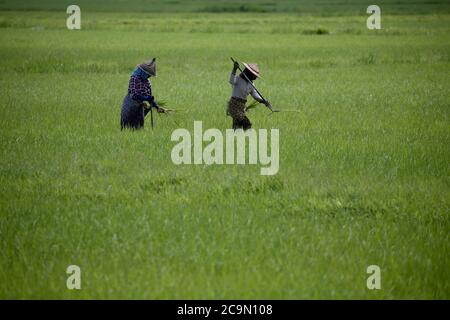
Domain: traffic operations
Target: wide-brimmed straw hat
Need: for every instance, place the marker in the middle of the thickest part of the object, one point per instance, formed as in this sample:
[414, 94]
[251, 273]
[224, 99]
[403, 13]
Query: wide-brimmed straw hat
[149, 67]
[253, 68]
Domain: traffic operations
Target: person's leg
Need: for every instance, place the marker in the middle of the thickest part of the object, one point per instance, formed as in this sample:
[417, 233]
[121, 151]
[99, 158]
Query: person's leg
[242, 122]
[246, 124]
[236, 124]
[236, 111]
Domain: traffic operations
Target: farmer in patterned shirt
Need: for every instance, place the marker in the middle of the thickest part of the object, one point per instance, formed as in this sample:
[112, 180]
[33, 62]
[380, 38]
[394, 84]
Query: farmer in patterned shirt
[134, 108]
[242, 87]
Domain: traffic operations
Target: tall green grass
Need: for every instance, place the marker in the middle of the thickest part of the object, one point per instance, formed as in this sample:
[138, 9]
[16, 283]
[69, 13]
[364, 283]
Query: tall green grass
[364, 174]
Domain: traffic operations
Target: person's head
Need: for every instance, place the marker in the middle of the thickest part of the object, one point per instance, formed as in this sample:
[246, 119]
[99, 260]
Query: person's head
[149, 67]
[251, 71]
[249, 74]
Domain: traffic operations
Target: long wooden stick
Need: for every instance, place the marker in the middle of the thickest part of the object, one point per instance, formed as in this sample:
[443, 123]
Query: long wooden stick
[151, 116]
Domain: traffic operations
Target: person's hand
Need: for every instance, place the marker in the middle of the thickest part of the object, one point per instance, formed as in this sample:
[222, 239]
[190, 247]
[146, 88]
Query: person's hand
[235, 65]
[161, 110]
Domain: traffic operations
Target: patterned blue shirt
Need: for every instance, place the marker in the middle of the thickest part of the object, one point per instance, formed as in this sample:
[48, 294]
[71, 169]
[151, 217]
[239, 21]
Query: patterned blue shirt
[139, 89]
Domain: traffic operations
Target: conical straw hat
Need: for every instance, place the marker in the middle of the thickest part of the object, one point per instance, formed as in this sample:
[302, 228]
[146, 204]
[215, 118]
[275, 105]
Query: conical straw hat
[149, 67]
[253, 67]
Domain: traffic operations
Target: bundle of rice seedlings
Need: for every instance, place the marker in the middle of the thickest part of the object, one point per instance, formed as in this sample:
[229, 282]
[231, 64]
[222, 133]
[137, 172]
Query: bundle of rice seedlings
[252, 105]
[163, 103]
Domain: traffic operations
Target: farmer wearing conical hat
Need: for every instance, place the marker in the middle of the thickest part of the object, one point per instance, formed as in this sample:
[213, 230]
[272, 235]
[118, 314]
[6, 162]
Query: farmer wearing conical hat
[134, 108]
[242, 87]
